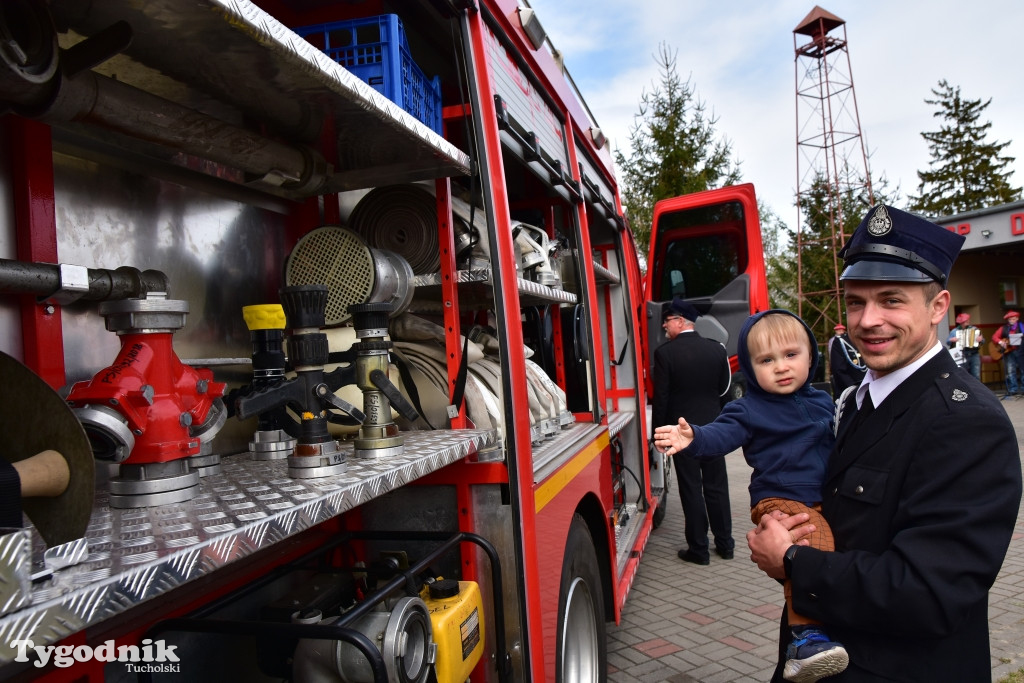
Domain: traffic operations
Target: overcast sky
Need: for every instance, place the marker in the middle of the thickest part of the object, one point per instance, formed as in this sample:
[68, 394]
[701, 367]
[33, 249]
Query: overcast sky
[739, 57]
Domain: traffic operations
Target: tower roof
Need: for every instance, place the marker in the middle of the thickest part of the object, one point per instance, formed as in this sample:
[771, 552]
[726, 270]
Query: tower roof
[809, 25]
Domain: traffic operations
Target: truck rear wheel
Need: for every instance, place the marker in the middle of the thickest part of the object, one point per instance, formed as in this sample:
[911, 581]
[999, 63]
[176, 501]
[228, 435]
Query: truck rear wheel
[582, 648]
[659, 514]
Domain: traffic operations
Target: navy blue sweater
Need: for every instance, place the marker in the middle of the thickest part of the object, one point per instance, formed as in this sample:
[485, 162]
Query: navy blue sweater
[785, 438]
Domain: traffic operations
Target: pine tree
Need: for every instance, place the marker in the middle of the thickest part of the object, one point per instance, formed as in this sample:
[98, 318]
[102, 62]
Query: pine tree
[818, 250]
[779, 259]
[966, 172]
[673, 149]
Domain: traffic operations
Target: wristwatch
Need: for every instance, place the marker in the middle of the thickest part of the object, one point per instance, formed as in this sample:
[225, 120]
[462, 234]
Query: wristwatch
[787, 560]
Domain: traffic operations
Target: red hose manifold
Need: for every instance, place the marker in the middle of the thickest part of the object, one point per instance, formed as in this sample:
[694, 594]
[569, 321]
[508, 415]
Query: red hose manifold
[147, 406]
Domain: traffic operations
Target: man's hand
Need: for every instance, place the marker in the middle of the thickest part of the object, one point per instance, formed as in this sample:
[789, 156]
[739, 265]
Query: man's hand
[671, 439]
[770, 539]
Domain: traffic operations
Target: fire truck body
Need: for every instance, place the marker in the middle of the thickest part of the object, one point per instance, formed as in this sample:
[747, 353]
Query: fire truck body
[706, 248]
[201, 145]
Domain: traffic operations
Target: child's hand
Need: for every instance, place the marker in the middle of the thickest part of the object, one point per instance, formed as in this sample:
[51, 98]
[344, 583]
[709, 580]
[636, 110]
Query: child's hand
[671, 439]
[685, 433]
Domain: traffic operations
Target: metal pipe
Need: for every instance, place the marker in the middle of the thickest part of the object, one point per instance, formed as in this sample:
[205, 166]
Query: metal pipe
[46, 279]
[35, 89]
[101, 101]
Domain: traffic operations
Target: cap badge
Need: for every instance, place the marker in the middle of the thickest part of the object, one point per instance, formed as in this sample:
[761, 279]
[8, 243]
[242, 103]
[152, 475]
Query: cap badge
[959, 395]
[880, 223]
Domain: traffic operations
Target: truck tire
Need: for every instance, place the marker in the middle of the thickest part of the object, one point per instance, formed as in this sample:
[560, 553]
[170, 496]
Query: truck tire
[737, 391]
[582, 647]
[659, 512]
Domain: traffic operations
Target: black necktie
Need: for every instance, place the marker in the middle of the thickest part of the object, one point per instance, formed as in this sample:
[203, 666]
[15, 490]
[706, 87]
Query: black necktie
[866, 408]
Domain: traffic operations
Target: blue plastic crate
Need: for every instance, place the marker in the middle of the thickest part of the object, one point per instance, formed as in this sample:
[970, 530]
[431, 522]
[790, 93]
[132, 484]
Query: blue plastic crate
[375, 50]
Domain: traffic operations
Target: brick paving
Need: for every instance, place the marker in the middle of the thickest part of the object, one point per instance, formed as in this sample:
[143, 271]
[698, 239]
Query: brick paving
[685, 623]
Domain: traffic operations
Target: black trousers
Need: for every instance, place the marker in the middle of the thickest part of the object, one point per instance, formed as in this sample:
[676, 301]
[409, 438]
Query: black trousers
[704, 493]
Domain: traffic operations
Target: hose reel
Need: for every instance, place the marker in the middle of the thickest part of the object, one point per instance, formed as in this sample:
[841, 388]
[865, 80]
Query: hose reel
[401, 219]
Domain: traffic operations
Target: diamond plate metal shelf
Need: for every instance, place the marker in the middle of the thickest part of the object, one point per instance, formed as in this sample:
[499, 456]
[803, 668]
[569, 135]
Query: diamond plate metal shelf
[140, 553]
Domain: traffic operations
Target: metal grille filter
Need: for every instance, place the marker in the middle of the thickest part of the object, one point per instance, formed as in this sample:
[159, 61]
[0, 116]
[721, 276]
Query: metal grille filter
[338, 258]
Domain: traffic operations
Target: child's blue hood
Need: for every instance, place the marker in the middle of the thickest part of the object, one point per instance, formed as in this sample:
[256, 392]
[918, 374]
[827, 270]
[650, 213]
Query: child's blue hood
[744, 355]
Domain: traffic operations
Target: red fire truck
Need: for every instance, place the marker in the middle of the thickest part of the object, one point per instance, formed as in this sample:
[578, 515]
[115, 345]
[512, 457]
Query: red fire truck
[706, 248]
[331, 309]
[341, 300]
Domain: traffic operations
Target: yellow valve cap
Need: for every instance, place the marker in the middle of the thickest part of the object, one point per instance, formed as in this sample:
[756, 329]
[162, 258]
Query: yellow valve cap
[457, 618]
[264, 317]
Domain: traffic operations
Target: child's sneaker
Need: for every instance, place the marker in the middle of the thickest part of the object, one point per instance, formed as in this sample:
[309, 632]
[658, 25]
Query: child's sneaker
[813, 655]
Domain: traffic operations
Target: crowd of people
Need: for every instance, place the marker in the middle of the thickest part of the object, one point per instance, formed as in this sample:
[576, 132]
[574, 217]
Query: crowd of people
[884, 519]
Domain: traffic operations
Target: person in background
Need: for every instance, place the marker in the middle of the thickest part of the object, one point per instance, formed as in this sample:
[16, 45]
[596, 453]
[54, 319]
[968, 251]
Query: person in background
[691, 375]
[967, 340]
[1009, 337]
[846, 367]
[922, 488]
[784, 426]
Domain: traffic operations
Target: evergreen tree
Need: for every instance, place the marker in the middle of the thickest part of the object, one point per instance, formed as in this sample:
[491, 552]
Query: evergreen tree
[818, 253]
[820, 266]
[966, 172]
[779, 263]
[673, 149]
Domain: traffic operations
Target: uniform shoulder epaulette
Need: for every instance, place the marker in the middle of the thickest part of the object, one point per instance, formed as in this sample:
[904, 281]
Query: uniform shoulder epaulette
[954, 390]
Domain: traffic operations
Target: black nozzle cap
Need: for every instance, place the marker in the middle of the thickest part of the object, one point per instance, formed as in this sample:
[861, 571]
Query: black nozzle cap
[372, 316]
[304, 305]
[445, 588]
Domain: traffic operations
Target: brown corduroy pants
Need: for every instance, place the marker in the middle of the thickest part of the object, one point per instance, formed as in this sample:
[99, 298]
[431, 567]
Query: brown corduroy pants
[821, 539]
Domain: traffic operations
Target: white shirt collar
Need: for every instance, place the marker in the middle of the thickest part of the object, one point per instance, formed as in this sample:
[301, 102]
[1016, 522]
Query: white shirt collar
[881, 387]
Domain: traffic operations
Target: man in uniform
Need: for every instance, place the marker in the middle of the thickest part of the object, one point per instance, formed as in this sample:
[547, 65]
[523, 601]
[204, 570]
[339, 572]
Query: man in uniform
[846, 367]
[923, 486]
[691, 374]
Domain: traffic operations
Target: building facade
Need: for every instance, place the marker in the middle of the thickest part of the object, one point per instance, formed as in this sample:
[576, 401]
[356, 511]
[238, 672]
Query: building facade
[988, 278]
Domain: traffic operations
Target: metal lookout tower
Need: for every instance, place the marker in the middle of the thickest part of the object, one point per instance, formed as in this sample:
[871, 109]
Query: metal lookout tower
[831, 162]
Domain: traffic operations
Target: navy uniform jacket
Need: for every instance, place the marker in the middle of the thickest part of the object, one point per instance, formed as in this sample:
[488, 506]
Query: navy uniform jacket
[922, 502]
[690, 374]
[844, 373]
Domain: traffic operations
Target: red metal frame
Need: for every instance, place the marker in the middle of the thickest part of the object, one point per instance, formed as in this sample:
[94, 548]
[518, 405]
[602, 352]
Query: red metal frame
[449, 291]
[598, 361]
[518, 422]
[36, 229]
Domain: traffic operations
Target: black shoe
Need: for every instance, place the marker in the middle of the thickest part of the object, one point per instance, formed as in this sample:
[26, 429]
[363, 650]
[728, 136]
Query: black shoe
[724, 554]
[690, 556]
